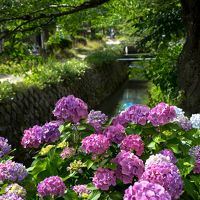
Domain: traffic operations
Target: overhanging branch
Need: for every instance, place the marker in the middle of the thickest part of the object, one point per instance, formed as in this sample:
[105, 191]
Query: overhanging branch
[33, 17]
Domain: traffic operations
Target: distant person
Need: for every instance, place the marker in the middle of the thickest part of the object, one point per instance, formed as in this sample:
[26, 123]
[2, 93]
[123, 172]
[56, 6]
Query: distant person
[112, 33]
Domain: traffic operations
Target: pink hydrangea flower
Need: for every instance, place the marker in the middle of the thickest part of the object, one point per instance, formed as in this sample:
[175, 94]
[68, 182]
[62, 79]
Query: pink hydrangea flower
[120, 119]
[51, 186]
[71, 109]
[145, 190]
[129, 166]
[115, 133]
[80, 189]
[33, 137]
[167, 175]
[10, 196]
[104, 178]
[133, 142]
[67, 152]
[162, 114]
[95, 144]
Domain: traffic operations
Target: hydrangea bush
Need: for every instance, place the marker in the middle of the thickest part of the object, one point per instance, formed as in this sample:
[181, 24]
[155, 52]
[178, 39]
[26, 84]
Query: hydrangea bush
[141, 154]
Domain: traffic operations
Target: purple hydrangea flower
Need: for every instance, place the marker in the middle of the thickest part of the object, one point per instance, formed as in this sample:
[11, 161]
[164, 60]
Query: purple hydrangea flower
[195, 152]
[51, 132]
[51, 186]
[196, 169]
[10, 196]
[184, 123]
[16, 189]
[168, 153]
[67, 152]
[156, 159]
[137, 114]
[161, 114]
[71, 109]
[4, 147]
[120, 119]
[95, 144]
[80, 189]
[167, 175]
[133, 142]
[129, 165]
[145, 190]
[104, 178]
[115, 133]
[33, 137]
[97, 119]
[12, 171]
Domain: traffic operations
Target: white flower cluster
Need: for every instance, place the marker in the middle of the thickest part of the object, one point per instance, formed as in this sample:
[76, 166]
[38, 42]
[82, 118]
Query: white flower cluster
[195, 120]
[179, 111]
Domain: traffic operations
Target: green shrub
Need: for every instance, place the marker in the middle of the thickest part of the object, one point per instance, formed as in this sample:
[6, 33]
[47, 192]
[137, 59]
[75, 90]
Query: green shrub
[157, 95]
[162, 72]
[8, 90]
[55, 72]
[103, 56]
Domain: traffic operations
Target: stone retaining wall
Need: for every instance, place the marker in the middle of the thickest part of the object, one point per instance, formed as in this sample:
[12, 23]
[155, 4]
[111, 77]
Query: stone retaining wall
[34, 105]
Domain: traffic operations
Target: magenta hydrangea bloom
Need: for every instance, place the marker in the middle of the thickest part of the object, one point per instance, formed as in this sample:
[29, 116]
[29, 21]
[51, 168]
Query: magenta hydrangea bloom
[51, 132]
[12, 171]
[4, 147]
[95, 144]
[133, 142]
[167, 175]
[168, 153]
[51, 186]
[115, 133]
[137, 114]
[71, 109]
[104, 179]
[196, 169]
[162, 114]
[10, 196]
[67, 153]
[96, 119]
[129, 166]
[145, 190]
[33, 137]
[80, 189]
[120, 119]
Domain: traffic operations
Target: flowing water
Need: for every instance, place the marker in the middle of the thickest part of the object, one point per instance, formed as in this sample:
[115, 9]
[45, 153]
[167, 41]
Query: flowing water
[130, 93]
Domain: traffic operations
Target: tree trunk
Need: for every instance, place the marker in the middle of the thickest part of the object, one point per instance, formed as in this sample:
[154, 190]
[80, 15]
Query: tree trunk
[189, 63]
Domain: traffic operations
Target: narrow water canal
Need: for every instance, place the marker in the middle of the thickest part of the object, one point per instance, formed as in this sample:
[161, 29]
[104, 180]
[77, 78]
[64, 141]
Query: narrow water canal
[130, 93]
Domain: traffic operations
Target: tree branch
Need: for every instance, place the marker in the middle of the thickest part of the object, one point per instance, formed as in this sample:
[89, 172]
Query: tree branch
[30, 18]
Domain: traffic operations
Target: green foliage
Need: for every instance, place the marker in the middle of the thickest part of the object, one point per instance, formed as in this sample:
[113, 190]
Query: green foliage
[162, 72]
[8, 90]
[55, 72]
[103, 57]
[155, 95]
